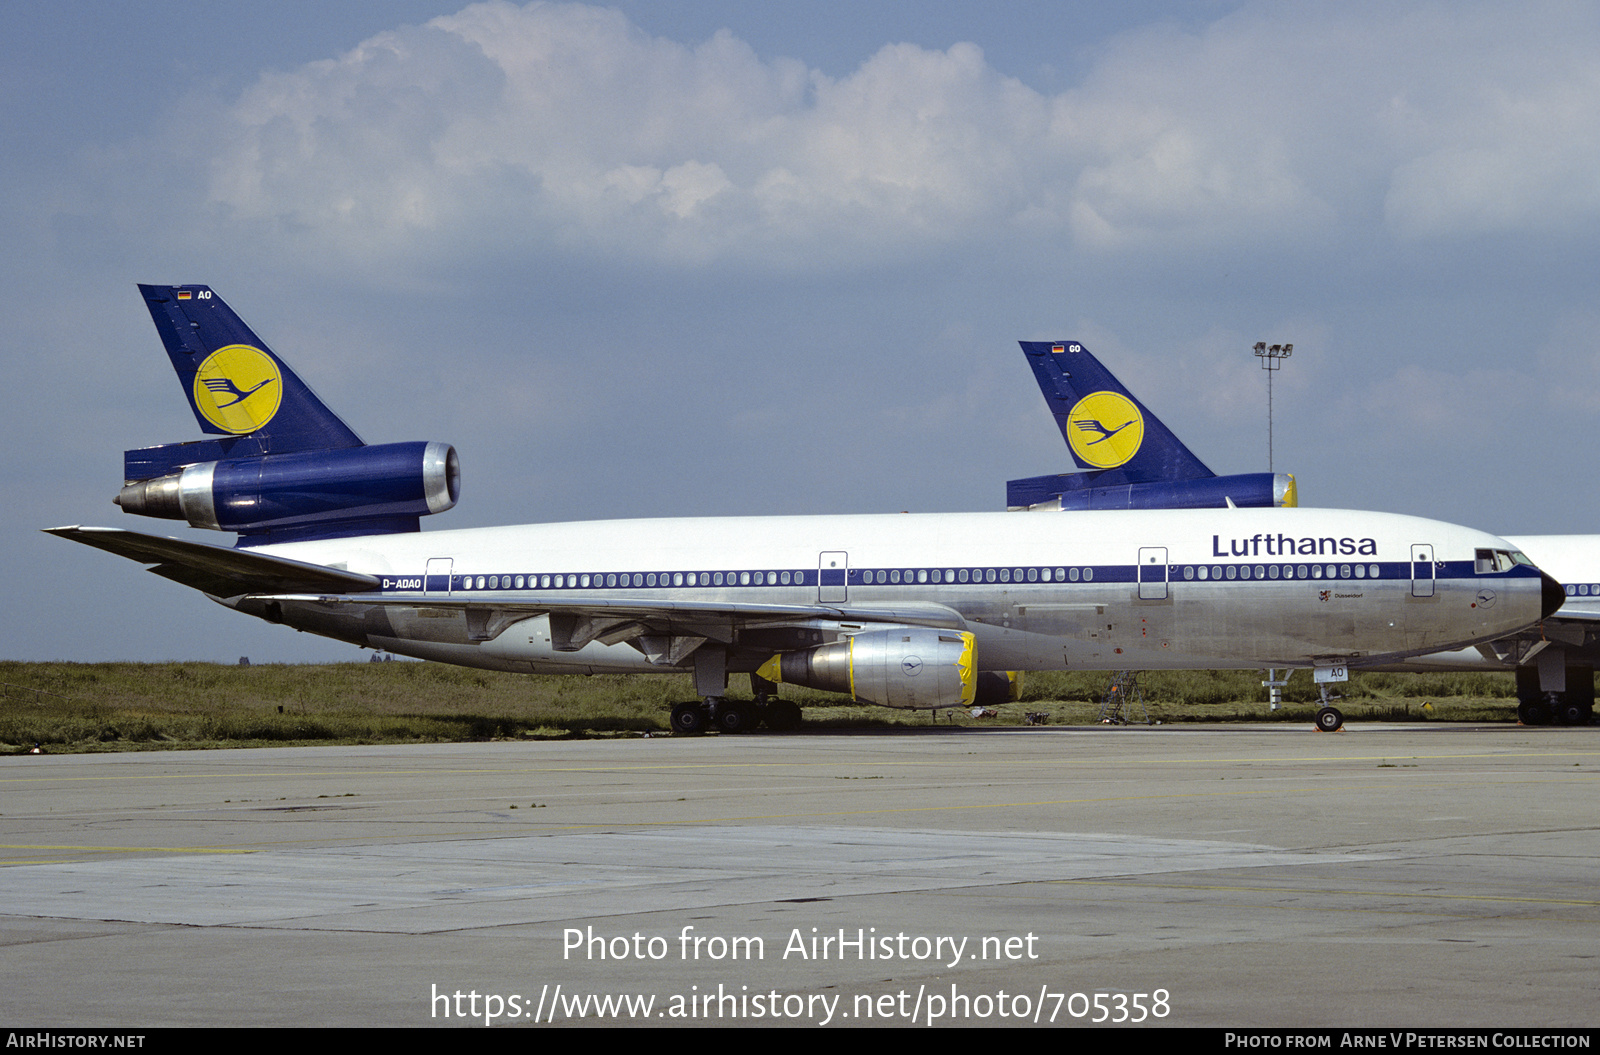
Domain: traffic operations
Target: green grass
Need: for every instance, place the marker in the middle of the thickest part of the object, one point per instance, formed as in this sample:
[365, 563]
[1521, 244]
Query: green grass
[135, 706]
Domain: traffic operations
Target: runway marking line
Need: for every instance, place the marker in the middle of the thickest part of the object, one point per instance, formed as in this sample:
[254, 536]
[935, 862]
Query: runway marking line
[123, 850]
[1316, 892]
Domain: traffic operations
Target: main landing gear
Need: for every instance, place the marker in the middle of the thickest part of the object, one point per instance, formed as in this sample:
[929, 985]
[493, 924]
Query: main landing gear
[735, 716]
[1574, 705]
[1558, 707]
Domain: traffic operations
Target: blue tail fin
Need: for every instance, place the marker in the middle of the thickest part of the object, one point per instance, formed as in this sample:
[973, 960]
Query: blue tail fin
[1108, 431]
[1127, 457]
[235, 385]
[283, 467]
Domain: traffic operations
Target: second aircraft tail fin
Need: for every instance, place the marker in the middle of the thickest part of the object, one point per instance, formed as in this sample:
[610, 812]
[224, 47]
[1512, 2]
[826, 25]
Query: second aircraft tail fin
[1107, 429]
[1127, 458]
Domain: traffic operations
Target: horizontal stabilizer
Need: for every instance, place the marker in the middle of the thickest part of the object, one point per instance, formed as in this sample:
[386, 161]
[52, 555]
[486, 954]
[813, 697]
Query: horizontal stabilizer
[216, 570]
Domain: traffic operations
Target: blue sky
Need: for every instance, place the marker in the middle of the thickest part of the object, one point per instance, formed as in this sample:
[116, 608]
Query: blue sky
[709, 258]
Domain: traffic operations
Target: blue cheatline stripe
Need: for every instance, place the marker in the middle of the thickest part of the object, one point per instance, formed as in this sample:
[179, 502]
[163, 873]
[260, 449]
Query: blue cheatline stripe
[958, 576]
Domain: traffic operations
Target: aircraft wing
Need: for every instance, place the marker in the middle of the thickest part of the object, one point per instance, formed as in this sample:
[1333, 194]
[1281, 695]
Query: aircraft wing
[217, 570]
[574, 624]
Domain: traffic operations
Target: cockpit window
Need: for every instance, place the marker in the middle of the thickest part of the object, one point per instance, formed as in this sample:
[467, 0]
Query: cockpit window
[1496, 560]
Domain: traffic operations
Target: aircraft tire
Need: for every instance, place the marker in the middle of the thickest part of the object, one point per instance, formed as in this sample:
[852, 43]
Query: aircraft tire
[736, 716]
[782, 715]
[1574, 713]
[1329, 720]
[1533, 712]
[690, 719]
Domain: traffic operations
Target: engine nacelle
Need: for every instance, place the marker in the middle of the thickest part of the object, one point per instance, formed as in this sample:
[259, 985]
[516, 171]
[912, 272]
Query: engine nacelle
[309, 494]
[908, 667]
[1072, 491]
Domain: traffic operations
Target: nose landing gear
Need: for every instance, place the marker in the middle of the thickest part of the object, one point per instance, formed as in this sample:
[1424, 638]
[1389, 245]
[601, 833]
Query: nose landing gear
[1329, 718]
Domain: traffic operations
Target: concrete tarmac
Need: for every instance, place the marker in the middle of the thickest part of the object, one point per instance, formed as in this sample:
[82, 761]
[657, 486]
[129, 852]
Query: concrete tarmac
[1388, 875]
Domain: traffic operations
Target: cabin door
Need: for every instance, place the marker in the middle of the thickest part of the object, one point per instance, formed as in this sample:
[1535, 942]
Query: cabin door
[833, 577]
[438, 580]
[1152, 573]
[1421, 570]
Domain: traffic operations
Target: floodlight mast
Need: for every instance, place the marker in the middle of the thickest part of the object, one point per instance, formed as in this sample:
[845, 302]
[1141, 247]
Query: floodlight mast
[1272, 357]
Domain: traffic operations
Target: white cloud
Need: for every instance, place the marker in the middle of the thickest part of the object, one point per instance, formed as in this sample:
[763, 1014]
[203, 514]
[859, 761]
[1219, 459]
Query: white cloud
[564, 125]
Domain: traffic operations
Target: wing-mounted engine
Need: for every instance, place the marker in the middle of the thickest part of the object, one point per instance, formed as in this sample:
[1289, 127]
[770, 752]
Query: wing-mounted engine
[908, 667]
[367, 490]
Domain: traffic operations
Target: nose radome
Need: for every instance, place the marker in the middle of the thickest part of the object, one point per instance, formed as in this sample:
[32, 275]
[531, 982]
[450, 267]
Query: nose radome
[1552, 597]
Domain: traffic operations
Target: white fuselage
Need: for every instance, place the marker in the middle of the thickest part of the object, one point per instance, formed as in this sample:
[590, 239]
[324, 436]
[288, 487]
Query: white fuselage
[1084, 590]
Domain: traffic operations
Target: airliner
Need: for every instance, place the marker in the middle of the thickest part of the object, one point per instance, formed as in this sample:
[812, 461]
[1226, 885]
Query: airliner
[911, 611]
[1554, 661]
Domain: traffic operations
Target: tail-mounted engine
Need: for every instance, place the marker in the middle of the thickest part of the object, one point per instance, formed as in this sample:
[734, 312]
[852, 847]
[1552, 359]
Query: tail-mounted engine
[1071, 491]
[304, 495]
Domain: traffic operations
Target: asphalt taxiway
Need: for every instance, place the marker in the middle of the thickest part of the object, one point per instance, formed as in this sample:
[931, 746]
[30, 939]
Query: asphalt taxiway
[1386, 875]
